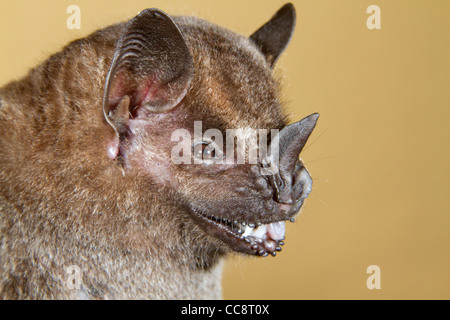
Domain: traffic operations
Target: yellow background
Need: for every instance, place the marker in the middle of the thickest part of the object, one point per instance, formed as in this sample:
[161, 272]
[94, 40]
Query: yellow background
[380, 154]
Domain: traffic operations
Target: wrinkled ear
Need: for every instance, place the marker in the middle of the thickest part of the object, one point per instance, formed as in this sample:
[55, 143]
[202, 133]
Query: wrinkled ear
[152, 68]
[273, 37]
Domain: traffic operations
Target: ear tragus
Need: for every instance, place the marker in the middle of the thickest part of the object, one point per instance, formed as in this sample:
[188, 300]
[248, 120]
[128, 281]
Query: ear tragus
[121, 113]
[273, 37]
[151, 68]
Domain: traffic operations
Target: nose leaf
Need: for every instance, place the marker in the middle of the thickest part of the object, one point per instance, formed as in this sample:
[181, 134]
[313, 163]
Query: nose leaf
[288, 144]
[291, 142]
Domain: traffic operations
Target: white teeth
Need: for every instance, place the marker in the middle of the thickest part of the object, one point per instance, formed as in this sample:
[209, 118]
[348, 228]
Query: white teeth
[247, 231]
[277, 230]
[260, 232]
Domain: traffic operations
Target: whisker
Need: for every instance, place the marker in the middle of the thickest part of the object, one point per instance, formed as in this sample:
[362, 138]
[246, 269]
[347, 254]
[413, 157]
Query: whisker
[317, 138]
[323, 202]
[320, 159]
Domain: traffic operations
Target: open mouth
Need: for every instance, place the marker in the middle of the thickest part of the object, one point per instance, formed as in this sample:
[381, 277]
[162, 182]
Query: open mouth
[251, 238]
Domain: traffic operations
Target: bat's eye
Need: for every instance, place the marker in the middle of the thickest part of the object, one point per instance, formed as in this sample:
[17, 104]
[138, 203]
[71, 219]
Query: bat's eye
[206, 151]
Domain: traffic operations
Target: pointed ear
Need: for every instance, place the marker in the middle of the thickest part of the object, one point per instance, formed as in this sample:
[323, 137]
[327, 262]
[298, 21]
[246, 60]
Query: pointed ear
[273, 37]
[152, 68]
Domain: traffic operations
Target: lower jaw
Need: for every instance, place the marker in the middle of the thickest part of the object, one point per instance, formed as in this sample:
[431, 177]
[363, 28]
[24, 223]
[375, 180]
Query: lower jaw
[255, 241]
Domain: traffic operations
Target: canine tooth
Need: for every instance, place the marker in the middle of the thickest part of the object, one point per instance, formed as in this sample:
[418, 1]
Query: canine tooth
[247, 231]
[260, 232]
[276, 230]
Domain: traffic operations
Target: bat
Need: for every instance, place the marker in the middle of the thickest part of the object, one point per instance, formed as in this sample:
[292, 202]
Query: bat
[144, 154]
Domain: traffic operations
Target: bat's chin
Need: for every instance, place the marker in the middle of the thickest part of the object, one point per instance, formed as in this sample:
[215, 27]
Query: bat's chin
[244, 236]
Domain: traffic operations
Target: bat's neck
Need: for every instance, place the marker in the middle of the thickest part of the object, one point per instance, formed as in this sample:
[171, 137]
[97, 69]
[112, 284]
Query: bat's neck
[150, 280]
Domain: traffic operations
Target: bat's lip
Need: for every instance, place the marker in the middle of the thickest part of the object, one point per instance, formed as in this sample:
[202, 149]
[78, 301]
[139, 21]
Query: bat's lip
[250, 238]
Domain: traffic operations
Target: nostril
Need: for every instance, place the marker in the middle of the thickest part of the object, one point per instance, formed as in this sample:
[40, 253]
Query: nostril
[282, 192]
[280, 183]
[278, 186]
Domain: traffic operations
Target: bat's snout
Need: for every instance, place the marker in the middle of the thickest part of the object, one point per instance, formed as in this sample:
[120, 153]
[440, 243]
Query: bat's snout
[291, 181]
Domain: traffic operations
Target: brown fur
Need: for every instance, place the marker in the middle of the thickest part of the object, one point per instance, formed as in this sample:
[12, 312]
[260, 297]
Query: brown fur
[64, 202]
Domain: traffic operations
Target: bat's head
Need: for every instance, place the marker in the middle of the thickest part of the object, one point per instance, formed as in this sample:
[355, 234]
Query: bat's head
[195, 109]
